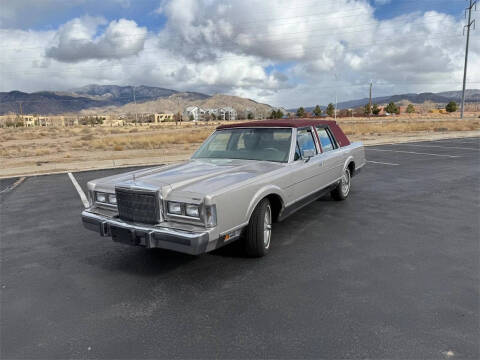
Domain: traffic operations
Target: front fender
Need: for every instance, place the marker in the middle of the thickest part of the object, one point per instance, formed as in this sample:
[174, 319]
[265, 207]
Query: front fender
[261, 194]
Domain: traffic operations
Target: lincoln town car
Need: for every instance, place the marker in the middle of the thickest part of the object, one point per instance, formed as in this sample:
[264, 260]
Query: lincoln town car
[242, 179]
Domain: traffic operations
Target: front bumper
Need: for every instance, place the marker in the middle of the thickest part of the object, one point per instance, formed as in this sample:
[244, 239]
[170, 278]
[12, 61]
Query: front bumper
[193, 243]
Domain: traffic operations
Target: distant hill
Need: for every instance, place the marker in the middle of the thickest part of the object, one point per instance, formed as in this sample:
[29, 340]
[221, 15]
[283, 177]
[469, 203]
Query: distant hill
[472, 95]
[90, 96]
[178, 102]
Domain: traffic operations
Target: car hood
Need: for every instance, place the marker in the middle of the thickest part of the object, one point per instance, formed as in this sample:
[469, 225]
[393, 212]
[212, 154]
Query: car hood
[194, 176]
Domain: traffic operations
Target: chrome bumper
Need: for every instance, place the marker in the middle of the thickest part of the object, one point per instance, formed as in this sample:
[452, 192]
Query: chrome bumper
[147, 236]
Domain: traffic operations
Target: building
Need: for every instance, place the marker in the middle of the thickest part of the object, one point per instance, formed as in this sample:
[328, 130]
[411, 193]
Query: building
[163, 117]
[196, 113]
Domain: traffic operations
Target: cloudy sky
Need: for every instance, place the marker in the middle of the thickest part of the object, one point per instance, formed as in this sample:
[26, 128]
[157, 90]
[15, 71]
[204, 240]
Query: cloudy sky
[283, 52]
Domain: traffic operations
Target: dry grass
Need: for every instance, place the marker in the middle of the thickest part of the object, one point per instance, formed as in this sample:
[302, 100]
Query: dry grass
[26, 146]
[149, 141]
[405, 127]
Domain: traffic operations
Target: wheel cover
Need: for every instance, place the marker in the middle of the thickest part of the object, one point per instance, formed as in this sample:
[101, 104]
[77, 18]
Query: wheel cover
[346, 182]
[267, 227]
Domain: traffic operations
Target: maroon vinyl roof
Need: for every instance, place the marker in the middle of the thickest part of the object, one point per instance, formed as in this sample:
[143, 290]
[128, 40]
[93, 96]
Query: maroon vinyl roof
[294, 123]
[279, 123]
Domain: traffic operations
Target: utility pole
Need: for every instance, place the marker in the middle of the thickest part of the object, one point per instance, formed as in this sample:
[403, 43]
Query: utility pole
[370, 103]
[336, 97]
[135, 101]
[473, 3]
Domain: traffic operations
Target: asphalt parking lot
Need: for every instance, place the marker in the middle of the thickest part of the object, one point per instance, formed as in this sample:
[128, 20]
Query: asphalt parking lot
[393, 272]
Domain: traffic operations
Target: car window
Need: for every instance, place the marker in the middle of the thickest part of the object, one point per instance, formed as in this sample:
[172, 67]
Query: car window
[269, 144]
[305, 140]
[325, 140]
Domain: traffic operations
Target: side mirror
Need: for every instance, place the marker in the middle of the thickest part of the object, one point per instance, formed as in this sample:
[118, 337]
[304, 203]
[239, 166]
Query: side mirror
[307, 154]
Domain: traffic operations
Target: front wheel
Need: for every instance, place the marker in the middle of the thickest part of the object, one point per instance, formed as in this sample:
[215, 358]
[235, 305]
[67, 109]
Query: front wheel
[343, 189]
[259, 230]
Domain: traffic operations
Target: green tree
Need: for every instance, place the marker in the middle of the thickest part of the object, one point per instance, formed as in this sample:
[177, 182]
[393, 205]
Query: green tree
[317, 111]
[451, 107]
[250, 116]
[375, 109]
[392, 108]
[368, 109]
[279, 114]
[273, 115]
[301, 112]
[410, 109]
[330, 110]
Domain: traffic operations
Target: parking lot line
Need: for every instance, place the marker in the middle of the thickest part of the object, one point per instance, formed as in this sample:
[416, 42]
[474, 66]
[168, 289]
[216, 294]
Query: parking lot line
[413, 152]
[382, 163]
[79, 190]
[439, 146]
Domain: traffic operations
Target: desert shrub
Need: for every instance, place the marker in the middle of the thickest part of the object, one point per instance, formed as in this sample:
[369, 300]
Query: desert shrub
[451, 107]
[118, 148]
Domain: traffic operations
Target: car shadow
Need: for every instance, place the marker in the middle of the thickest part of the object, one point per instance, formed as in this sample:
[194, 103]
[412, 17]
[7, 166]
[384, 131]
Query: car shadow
[141, 261]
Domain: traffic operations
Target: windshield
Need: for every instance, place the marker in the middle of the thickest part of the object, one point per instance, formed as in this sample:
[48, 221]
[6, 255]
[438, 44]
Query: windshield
[267, 144]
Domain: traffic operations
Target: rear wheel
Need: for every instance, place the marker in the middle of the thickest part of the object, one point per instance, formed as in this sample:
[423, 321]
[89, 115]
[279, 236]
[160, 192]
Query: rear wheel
[343, 189]
[259, 230]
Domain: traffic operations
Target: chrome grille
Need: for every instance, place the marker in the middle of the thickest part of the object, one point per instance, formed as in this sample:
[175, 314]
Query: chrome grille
[138, 206]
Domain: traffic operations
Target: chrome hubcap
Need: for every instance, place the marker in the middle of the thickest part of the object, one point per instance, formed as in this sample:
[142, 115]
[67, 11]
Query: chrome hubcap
[267, 227]
[346, 182]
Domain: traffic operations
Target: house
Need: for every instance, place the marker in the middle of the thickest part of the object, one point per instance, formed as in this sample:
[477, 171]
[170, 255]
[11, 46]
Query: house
[194, 113]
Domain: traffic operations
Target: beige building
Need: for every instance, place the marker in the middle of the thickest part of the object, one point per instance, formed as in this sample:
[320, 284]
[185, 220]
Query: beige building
[163, 117]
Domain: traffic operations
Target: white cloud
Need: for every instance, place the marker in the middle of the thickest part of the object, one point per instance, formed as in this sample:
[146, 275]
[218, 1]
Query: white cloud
[212, 46]
[76, 40]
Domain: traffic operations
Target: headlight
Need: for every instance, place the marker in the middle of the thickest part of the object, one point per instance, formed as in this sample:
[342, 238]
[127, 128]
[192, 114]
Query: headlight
[112, 199]
[192, 210]
[101, 197]
[174, 208]
[105, 198]
[211, 216]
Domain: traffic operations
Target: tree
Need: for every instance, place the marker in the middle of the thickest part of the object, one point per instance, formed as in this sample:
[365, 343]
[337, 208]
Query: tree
[301, 112]
[375, 109]
[451, 107]
[330, 110]
[368, 109]
[317, 111]
[279, 114]
[392, 108]
[250, 116]
[410, 109]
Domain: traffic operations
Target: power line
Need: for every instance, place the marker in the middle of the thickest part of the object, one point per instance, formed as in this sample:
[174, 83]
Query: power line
[322, 20]
[473, 3]
[284, 53]
[319, 88]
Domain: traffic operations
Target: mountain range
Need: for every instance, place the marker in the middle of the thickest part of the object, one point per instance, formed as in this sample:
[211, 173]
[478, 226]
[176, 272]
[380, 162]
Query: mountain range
[90, 96]
[445, 97]
[121, 99]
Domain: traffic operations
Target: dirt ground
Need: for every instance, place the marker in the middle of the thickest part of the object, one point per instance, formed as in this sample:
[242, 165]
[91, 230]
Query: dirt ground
[27, 151]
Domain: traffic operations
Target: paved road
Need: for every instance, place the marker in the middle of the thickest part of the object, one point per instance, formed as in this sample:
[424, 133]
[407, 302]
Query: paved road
[393, 272]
